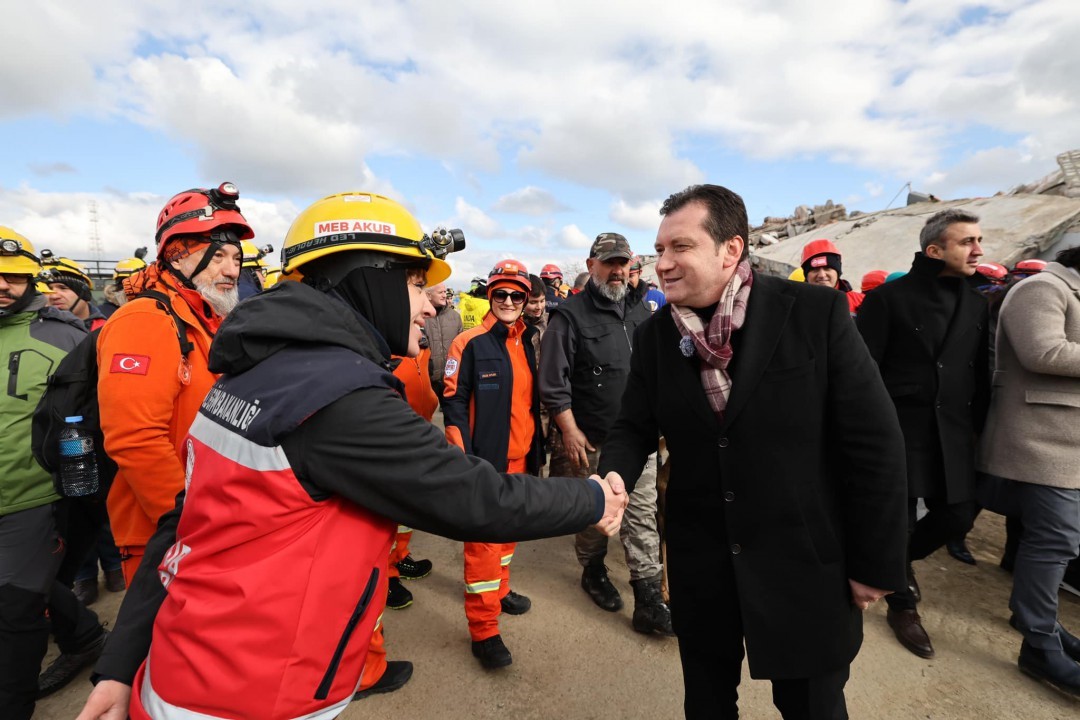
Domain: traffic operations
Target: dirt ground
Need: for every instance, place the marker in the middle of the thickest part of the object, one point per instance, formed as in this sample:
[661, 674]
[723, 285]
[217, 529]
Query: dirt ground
[572, 660]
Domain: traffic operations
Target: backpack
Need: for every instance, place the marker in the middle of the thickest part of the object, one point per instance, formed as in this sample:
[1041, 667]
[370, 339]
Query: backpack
[72, 390]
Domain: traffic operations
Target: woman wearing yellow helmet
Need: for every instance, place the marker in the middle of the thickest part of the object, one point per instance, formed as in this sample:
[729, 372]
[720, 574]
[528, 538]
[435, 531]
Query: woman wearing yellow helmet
[299, 456]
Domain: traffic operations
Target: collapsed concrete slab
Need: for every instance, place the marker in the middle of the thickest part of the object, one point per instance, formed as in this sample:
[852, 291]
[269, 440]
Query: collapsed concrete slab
[1015, 227]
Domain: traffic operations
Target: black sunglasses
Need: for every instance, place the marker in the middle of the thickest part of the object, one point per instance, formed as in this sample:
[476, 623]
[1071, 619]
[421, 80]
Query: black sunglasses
[516, 296]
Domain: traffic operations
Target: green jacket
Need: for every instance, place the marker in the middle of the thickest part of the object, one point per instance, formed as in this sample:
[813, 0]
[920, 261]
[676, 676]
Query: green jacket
[32, 343]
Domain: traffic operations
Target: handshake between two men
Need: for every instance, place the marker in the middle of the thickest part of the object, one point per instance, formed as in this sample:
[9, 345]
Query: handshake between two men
[615, 501]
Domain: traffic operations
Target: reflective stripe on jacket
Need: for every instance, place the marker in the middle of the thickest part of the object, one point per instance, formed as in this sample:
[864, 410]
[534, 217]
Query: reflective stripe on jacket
[290, 586]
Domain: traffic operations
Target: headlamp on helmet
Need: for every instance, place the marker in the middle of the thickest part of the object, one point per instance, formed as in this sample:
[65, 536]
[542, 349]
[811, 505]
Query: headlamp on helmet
[199, 212]
[443, 241]
[66, 272]
[17, 254]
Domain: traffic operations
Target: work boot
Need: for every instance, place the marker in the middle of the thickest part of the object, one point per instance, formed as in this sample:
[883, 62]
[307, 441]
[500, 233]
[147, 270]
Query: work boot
[907, 626]
[86, 591]
[515, 604]
[492, 653]
[397, 597]
[114, 580]
[1051, 667]
[651, 614]
[67, 666]
[913, 584]
[594, 580]
[413, 569]
[396, 675]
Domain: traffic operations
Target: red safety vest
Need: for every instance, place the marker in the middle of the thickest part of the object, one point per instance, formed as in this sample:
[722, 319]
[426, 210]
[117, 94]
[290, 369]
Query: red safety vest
[272, 596]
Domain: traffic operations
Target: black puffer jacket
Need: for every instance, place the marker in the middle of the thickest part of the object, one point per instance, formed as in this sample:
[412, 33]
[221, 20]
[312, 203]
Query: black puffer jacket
[368, 446]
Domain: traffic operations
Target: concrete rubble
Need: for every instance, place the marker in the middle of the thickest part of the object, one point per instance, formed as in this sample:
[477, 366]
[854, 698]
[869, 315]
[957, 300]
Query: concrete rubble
[1030, 221]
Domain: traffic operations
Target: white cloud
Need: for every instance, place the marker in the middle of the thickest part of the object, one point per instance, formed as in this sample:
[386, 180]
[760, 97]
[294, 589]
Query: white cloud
[126, 221]
[641, 216]
[297, 99]
[994, 167]
[571, 236]
[874, 189]
[474, 221]
[529, 200]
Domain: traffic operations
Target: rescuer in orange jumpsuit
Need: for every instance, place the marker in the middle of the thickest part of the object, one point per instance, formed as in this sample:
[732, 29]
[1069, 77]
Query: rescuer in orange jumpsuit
[491, 407]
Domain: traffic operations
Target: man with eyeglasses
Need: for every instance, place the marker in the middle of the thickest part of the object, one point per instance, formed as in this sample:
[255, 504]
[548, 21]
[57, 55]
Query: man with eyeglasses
[584, 364]
[34, 338]
[491, 408]
[153, 356]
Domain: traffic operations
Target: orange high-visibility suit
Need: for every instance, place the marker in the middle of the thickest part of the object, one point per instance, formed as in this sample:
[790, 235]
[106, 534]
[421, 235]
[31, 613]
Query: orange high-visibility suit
[148, 396]
[416, 375]
[504, 377]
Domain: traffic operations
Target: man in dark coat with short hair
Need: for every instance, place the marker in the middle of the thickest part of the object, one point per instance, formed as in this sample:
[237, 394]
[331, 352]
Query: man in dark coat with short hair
[928, 332]
[784, 509]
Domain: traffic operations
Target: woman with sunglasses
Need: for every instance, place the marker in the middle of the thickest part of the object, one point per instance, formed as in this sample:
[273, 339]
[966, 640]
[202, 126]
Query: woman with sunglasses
[491, 408]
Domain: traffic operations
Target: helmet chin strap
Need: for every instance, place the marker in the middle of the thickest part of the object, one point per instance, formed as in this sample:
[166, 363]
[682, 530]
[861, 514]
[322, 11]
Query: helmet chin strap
[214, 241]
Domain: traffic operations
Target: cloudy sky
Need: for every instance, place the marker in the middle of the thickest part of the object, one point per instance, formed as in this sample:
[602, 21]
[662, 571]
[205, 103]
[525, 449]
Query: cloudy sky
[532, 126]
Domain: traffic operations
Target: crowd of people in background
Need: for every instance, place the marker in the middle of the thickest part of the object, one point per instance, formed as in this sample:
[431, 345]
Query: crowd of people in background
[254, 410]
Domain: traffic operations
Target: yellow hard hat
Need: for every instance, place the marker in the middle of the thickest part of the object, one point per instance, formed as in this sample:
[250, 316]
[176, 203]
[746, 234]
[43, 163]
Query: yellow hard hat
[797, 275]
[43, 287]
[253, 254]
[60, 266]
[273, 275]
[362, 221]
[17, 254]
[128, 267]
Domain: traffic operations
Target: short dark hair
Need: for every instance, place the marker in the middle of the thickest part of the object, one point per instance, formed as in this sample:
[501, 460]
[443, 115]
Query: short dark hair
[934, 229]
[537, 286]
[726, 216]
[1070, 257]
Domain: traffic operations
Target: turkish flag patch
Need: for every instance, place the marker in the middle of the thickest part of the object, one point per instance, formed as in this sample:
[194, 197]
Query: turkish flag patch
[130, 364]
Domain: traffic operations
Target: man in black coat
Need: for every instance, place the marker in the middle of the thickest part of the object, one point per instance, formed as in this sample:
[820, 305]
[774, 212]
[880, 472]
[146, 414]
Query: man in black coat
[928, 333]
[785, 504]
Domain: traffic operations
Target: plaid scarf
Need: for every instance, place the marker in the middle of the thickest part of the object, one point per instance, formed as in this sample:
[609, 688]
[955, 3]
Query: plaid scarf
[713, 344]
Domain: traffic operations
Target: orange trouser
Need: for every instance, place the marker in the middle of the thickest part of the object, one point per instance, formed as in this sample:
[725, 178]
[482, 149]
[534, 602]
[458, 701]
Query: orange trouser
[399, 550]
[130, 557]
[375, 665]
[487, 580]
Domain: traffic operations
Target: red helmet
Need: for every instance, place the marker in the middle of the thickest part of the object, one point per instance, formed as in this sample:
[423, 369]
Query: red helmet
[509, 272]
[992, 271]
[201, 212]
[550, 271]
[1029, 267]
[818, 247]
[872, 279]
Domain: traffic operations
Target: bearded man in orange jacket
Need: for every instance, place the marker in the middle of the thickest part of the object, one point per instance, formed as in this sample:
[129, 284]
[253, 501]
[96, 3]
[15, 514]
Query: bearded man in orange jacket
[152, 357]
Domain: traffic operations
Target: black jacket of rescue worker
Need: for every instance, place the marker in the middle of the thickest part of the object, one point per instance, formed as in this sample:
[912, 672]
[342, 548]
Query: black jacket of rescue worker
[370, 447]
[479, 405]
[787, 499]
[585, 357]
[929, 335]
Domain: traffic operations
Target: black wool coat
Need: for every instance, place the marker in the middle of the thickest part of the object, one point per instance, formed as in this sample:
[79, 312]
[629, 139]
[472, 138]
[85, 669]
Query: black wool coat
[930, 337]
[797, 489]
